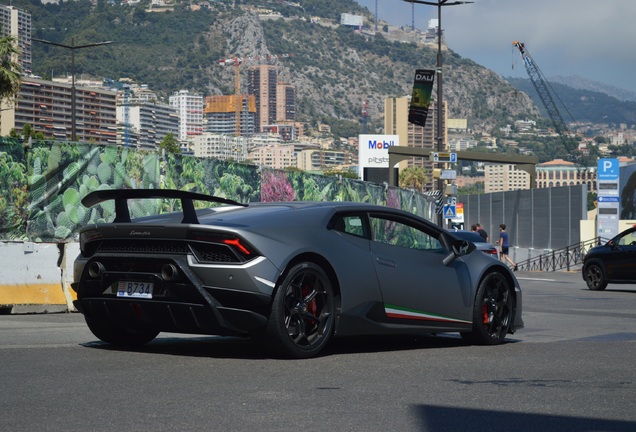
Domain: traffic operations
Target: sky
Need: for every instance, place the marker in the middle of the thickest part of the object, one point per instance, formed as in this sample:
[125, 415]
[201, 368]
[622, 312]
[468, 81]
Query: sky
[594, 39]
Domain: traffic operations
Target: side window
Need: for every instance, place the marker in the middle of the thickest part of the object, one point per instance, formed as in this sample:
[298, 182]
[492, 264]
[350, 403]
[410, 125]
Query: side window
[397, 233]
[628, 239]
[351, 224]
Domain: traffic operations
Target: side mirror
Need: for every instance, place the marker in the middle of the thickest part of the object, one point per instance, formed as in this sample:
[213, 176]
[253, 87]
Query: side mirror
[459, 248]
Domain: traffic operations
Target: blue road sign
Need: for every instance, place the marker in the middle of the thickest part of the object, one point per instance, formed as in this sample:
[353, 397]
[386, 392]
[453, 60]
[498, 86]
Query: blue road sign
[608, 169]
[450, 211]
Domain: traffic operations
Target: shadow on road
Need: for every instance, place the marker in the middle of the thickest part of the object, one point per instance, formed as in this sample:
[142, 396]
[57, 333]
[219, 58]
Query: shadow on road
[438, 418]
[232, 347]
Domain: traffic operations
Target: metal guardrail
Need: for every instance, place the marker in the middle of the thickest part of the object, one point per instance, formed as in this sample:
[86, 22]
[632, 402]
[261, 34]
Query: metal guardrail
[559, 259]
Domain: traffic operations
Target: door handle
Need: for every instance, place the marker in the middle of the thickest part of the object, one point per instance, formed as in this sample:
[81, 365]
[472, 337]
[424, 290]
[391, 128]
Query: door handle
[386, 262]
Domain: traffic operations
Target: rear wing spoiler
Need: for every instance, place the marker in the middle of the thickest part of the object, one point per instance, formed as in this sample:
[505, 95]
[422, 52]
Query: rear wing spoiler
[121, 197]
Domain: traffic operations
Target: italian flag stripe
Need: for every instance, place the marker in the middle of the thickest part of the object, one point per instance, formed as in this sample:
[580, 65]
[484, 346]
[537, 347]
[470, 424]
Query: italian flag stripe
[393, 311]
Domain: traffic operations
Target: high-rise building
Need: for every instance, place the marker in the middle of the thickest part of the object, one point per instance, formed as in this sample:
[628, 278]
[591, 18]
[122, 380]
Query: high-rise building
[285, 102]
[220, 114]
[262, 84]
[46, 106]
[189, 107]
[396, 122]
[16, 22]
[149, 122]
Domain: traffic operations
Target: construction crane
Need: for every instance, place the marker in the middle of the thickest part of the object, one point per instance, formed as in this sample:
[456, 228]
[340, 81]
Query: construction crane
[236, 62]
[541, 86]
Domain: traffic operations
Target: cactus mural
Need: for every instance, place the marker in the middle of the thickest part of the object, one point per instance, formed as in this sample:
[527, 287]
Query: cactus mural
[41, 187]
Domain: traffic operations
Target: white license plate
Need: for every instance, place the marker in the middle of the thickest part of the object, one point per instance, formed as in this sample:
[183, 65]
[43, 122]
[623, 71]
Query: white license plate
[134, 289]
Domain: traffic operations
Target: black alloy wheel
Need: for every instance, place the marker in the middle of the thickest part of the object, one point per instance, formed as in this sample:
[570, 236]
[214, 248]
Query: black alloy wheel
[595, 277]
[302, 318]
[493, 311]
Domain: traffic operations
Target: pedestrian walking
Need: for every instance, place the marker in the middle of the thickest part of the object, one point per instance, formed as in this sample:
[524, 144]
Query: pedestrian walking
[504, 244]
[482, 232]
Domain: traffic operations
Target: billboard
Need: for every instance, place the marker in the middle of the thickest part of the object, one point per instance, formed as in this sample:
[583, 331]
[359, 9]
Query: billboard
[351, 20]
[373, 150]
[421, 96]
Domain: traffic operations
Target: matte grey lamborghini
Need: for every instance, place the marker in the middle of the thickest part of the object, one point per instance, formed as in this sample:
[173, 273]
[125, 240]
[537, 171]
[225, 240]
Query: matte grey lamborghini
[291, 275]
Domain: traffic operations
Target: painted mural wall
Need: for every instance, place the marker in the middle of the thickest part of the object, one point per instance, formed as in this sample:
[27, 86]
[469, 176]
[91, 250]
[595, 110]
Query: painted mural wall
[42, 185]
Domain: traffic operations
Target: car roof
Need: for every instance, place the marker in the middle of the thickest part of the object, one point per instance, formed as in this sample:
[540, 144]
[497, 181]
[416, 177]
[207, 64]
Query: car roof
[468, 235]
[289, 210]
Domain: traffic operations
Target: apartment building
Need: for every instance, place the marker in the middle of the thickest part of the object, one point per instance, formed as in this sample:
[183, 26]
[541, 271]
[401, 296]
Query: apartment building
[504, 177]
[219, 146]
[262, 84]
[148, 121]
[285, 102]
[189, 107]
[317, 160]
[16, 22]
[221, 111]
[274, 156]
[275, 101]
[559, 172]
[46, 106]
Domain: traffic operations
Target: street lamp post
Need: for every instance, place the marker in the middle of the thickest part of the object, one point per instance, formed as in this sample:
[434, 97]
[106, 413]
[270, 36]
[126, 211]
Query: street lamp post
[440, 105]
[72, 47]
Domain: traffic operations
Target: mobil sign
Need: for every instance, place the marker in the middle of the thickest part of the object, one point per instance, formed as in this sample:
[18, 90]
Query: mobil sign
[373, 150]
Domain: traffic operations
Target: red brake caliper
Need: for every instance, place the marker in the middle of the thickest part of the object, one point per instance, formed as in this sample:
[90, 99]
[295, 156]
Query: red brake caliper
[311, 306]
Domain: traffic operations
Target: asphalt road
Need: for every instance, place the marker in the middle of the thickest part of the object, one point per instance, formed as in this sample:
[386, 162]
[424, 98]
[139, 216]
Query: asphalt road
[571, 369]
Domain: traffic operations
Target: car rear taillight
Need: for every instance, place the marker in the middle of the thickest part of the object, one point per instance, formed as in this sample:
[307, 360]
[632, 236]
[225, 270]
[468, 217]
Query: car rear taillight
[238, 245]
[491, 252]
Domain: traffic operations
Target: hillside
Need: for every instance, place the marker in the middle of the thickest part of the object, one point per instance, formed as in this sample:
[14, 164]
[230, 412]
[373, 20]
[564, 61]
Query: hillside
[584, 106]
[333, 68]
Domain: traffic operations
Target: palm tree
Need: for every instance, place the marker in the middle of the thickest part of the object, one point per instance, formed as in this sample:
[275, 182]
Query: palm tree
[10, 69]
[413, 178]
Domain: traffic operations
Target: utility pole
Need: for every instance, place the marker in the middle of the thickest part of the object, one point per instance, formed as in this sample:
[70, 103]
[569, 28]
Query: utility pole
[440, 103]
[72, 47]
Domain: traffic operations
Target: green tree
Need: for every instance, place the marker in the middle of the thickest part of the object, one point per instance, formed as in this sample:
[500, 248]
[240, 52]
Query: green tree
[170, 144]
[27, 132]
[413, 178]
[10, 69]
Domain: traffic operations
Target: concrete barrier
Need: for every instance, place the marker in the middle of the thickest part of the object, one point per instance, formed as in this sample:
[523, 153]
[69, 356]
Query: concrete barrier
[36, 277]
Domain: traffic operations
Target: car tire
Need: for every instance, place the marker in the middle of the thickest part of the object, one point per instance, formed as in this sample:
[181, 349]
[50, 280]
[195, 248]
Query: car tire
[493, 310]
[302, 316]
[595, 277]
[119, 336]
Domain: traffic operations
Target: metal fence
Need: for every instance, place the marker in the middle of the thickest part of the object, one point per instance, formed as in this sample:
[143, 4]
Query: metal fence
[536, 218]
[567, 258]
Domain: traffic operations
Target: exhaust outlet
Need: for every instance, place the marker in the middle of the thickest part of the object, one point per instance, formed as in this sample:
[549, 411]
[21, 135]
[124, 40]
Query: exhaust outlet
[96, 269]
[169, 272]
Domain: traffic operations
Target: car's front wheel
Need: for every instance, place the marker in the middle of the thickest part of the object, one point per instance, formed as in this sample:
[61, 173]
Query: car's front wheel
[493, 310]
[595, 277]
[119, 336]
[302, 316]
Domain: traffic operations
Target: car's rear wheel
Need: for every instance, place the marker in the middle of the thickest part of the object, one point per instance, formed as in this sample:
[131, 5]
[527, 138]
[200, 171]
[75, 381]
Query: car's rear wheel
[119, 336]
[493, 310]
[595, 277]
[302, 317]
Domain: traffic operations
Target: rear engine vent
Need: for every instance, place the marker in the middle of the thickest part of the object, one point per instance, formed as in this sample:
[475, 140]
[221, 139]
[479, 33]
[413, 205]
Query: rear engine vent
[143, 246]
[214, 253]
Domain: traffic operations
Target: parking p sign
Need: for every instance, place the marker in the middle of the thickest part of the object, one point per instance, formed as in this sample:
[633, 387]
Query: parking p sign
[608, 169]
